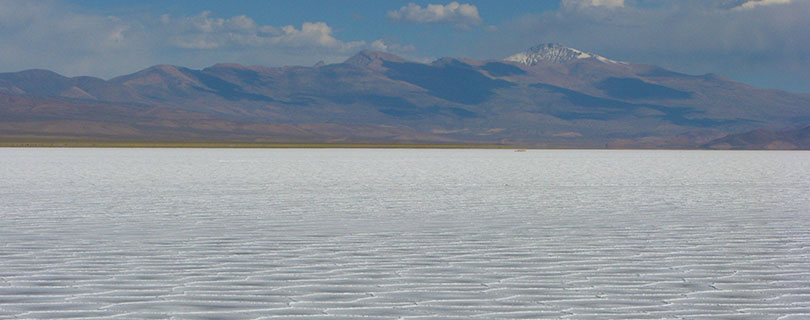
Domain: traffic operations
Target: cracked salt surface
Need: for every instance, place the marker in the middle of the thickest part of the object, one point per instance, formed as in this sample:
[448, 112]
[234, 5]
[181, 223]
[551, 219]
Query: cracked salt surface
[403, 234]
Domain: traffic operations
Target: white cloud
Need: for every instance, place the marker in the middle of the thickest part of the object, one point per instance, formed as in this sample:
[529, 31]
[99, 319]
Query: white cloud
[51, 35]
[750, 4]
[382, 45]
[46, 35]
[206, 32]
[460, 15]
[582, 4]
[379, 45]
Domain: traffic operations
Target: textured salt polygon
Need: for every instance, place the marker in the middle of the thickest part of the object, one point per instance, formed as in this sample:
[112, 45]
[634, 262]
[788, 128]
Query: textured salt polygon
[412, 234]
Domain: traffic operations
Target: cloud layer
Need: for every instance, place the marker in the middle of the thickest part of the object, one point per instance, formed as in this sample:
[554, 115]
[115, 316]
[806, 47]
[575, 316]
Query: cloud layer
[582, 4]
[207, 32]
[50, 35]
[460, 15]
[765, 43]
[755, 3]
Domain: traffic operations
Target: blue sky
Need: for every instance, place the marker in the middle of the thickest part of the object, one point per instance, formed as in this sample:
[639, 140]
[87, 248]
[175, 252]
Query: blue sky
[761, 42]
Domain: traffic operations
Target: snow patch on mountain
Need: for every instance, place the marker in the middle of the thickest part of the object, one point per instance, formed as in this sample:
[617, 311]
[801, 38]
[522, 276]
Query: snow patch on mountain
[554, 53]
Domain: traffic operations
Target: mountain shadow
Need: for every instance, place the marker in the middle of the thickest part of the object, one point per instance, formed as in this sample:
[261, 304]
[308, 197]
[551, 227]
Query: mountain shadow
[454, 81]
[609, 109]
[632, 89]
[499, 69]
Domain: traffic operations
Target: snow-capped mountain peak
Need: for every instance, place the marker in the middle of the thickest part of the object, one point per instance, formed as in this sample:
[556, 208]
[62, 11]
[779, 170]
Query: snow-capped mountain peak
[555, 53]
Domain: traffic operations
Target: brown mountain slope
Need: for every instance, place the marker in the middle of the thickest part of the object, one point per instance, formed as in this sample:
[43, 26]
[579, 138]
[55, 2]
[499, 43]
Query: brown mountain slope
[794, 139]
[574, 103]
[53, 119]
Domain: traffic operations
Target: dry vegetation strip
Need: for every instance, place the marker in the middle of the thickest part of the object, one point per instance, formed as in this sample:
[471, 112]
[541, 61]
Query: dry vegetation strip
[163, 144]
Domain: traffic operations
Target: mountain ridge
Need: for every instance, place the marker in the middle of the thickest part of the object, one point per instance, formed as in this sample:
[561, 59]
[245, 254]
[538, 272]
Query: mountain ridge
[580, 102]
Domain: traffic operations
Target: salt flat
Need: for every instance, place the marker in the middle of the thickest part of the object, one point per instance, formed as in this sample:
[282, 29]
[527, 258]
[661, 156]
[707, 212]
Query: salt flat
[403, 234]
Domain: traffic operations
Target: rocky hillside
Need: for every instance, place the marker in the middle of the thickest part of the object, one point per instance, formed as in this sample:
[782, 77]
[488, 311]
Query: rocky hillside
[548, 96]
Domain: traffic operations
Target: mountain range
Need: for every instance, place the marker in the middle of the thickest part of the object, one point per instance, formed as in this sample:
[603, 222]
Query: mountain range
[547, 96]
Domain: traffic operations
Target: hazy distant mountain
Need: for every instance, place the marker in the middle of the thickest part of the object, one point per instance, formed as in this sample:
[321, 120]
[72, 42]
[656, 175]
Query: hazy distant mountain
[549, 95]
[765, 139]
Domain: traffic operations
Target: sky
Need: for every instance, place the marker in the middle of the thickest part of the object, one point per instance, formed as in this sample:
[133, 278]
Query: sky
[765, 43]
